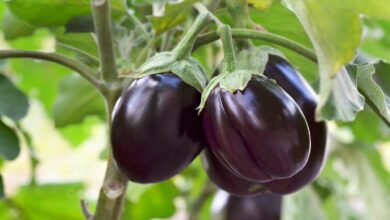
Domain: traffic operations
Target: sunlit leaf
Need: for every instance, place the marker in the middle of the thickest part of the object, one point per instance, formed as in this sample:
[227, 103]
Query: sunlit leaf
[48, 202]
[174, 14]
[53, 12]
[159, 198]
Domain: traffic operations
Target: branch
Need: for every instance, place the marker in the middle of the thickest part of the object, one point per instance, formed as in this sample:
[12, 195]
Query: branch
[264, 36]
[102, 21]
[82, 69]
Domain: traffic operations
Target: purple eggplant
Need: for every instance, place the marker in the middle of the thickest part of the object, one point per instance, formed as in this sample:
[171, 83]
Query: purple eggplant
[262, 207]
[291, 82]
[156, 131]
[226, 180]
[259, 134]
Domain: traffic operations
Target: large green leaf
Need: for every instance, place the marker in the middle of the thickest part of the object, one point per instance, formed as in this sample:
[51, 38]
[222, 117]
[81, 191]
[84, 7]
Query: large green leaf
[13, 102]
[48, 202]
[174, 14]
[77, 99]
[78, 42]
[335, 31]
[13, 27]
[9, 142]
[53, 12]
[156, 202]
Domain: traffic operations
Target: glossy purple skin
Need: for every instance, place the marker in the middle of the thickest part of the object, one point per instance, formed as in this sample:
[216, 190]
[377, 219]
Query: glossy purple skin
[263, 207]
[226, 180]
[156, 131]
[259, 134]
[291, 82]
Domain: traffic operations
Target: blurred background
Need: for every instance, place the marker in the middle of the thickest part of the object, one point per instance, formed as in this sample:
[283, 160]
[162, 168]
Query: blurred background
[58, 155]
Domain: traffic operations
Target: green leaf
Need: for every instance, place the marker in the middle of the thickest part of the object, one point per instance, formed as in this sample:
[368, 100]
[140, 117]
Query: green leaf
[372, 91]
[14, 27]
[48, 202]
[174, 14]
[344, 100]
[83, 43]
[77, 99]
[335, 38]
[13, 103]
[53, 12]
[303, 205]
[159, 198]
[9, 142]
[2, 195]
[376, 41]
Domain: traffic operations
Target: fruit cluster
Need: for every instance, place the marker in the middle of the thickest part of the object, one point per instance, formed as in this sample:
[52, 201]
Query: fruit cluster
[261, 138]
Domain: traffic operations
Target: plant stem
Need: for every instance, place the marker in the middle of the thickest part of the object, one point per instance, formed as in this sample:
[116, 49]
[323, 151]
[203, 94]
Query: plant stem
[184, 48]
[113, 190]
[79, 67]
[102, 21]
[264, 36]
[229, 60]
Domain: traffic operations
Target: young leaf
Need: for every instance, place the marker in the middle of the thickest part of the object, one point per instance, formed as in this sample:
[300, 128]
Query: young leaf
[174, 14]
[13, 102]
[77, 99]
[9, 142]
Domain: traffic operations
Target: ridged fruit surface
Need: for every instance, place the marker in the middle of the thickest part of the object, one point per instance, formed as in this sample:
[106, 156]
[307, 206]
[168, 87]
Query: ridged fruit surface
[259, 134]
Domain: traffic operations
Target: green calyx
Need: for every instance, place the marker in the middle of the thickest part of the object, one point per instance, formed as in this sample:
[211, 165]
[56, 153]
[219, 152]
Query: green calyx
[179, 60]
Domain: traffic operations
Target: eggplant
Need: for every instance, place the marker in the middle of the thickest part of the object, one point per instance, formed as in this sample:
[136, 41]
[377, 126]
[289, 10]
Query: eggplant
[259, 134]
[156, 131]
[262, 207]
[291, 81]
[226, 180]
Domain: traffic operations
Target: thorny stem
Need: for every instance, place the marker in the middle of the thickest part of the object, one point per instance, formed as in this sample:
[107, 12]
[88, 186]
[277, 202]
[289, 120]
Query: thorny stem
[258, 35]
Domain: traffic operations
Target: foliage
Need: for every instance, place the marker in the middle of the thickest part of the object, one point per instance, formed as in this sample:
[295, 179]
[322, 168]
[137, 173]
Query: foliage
[351, 40]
